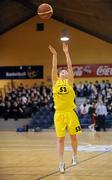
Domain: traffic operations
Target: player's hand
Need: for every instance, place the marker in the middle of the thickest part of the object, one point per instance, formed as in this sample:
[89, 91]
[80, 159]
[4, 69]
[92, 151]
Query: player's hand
[53, 51]
[65, 47]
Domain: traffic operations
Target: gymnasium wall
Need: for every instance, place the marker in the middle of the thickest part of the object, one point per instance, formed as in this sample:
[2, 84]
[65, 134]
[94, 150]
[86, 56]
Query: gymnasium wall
[23, 45]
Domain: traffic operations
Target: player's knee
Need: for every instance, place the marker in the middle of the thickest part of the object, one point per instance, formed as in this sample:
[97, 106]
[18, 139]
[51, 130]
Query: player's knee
[61, 140]
[73, 137]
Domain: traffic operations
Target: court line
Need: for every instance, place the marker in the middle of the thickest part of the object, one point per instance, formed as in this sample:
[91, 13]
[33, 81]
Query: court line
[16, 147]
[37, 145]
[31, 145]
[55, 172]
[22, 150]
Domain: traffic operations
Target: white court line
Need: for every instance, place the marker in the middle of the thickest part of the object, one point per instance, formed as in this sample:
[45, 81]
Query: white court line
[37, 145]
[89, 148]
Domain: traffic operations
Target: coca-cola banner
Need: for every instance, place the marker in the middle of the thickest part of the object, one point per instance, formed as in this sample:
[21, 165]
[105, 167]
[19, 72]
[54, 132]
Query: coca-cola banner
[90, 70]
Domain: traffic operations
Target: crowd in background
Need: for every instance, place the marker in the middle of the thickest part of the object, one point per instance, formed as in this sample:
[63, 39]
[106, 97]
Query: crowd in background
[95, 92]
[20, 102]
[98, 102]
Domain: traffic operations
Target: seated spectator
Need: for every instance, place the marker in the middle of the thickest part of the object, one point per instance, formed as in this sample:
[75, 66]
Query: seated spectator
[80, 87]
[109, 108]
[97, 86]
[1, 107]
[103, 85]
[90, 88]
[7, 110]
[85, 89]
[15, 110]
[92, 112]
[24, 99]
[83, 109]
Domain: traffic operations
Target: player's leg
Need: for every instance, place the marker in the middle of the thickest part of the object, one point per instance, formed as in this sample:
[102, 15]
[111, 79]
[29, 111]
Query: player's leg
[74, 129]
[60, 147]
[74, 144]
[60, 128]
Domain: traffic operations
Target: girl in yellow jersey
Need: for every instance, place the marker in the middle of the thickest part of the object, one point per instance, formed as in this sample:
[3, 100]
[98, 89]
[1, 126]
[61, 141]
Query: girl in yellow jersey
[65, 116]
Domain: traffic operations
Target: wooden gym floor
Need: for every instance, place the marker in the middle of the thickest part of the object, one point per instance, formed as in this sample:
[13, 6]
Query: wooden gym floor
[33, 156]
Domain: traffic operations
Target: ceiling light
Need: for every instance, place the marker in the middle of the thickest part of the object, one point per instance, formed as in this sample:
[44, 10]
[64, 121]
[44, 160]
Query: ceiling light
[64, 35]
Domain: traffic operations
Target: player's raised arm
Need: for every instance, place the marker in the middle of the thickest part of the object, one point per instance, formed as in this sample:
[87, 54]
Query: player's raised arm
[69, 63]
[54, 64]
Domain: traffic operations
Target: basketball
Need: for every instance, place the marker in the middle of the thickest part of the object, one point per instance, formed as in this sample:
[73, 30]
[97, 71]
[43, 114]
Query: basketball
[45, 11]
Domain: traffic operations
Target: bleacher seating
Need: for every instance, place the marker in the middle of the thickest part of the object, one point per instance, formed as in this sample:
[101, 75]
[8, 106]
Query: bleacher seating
[43, 118]
[36, 102]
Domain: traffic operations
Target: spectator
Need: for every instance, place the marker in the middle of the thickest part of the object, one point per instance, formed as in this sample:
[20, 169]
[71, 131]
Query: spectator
[97, 86]
[92, 112]
[103, 85]
[15, 110]
[101, 112]
[80, 87]
[109, 108]
[85, 89]
[7, 110]
[83, 109]
[1, 107]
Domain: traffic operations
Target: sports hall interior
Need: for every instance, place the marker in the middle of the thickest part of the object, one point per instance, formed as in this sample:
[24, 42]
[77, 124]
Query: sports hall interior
[30, 154]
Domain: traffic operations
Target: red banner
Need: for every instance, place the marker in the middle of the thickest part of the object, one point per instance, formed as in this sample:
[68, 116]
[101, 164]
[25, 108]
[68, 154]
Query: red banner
[90, 70]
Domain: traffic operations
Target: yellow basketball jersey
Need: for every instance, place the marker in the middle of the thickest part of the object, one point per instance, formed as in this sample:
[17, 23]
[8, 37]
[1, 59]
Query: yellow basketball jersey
[63, 95]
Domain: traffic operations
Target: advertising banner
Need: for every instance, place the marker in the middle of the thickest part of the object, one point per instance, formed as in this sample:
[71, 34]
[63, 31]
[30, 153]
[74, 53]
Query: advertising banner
[21, 72]
[90, 70]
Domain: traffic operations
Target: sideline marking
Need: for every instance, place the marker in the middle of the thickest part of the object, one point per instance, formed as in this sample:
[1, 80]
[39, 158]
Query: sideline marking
[81, 148]
[91, 148]
[55, 172]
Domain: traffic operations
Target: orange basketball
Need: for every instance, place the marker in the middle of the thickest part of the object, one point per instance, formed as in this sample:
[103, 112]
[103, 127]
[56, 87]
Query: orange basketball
[45, 11]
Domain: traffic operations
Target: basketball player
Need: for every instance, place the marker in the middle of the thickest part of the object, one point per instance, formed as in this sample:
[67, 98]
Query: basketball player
[65, 116]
